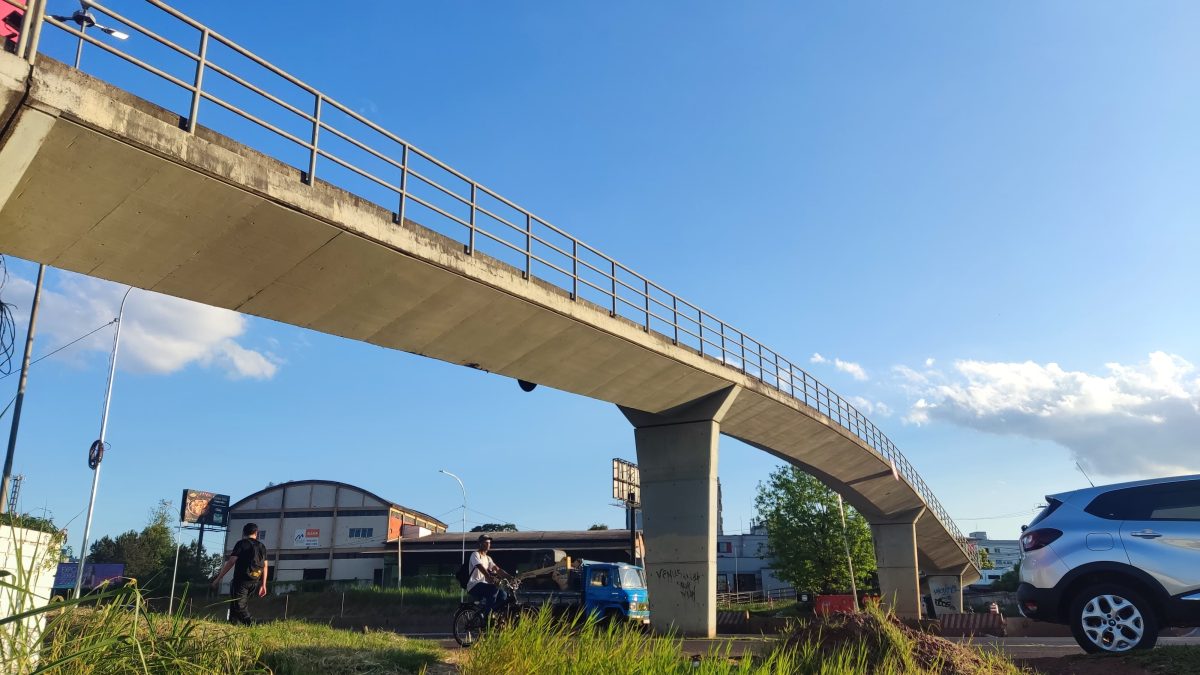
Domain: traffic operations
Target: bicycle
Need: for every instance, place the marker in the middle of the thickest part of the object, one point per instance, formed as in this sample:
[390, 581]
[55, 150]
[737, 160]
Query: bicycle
[469, 623]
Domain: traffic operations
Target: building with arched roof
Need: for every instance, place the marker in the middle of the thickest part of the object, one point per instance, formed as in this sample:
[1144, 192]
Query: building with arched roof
[325, 530]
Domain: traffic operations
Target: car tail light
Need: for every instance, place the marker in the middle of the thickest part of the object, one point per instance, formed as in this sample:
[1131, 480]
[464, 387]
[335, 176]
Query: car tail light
[1035, 539]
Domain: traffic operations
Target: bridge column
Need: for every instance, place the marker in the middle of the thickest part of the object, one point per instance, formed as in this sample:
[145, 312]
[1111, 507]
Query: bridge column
[895, 539]
[677, 458]
[946, 589]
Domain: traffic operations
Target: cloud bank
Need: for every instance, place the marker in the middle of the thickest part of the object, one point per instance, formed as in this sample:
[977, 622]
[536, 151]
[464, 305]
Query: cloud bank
[161, 334]
[1129, 420]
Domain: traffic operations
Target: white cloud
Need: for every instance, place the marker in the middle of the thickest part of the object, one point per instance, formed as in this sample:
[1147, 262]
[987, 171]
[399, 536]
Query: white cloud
[161, 334]
[1131, 420]
[929, 362]
[853, 369]
[869, 407]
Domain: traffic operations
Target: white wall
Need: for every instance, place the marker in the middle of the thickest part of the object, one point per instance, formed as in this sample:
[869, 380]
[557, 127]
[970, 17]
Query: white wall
[27, 556]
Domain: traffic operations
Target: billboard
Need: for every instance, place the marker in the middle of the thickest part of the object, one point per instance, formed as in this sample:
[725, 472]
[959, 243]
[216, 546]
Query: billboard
[204, 508]
[307, 537]
[94, 574]
[626, 479]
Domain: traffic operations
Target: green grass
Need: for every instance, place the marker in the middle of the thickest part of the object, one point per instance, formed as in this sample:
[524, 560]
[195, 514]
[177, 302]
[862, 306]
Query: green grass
[777, 608]
[1168, 660]
[300, 648]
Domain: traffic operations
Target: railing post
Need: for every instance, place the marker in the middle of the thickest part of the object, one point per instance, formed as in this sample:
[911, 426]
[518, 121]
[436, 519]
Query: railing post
[675, 318]
[646, 294]
[613, 282]
[574, 269]
[471, 235]
[316, 132]
[198, 82]
[528, 243]
[403, 182]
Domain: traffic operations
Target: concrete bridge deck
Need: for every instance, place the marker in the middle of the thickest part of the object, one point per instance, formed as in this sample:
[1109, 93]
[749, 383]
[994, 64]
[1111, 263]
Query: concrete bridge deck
[100, 182]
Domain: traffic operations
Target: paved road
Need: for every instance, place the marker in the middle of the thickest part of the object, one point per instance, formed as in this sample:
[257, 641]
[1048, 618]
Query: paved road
[1050, 647]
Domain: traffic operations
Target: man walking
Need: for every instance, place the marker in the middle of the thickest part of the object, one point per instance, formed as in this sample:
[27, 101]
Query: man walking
[249, 562]
[482, 584]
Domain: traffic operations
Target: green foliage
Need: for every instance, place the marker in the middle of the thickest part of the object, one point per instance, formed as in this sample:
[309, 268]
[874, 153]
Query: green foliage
[301, 648]
[149, 555]
[807, 544]
[598, 526]
[495, 527]
[985, 560]
[1009, 580]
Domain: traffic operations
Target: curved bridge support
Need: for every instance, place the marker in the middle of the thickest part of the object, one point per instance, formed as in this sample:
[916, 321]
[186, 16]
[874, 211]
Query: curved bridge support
[677, 457]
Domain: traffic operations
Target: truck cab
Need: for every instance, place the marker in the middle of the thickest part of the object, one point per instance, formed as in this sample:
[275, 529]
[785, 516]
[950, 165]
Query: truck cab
[614, 590]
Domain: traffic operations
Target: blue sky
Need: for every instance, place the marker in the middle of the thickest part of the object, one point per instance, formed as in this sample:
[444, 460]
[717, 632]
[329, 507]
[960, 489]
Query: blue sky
[979, 221]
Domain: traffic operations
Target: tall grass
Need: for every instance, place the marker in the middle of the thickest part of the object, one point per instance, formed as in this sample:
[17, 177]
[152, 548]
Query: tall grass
[541, 644]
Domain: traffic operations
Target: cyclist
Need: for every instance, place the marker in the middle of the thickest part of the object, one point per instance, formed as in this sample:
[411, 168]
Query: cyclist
[482, 584]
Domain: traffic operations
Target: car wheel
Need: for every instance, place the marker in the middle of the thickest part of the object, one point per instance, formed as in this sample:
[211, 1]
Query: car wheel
[1111, 618]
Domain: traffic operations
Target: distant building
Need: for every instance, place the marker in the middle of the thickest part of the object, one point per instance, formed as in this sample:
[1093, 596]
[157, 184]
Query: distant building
[1003, 553]
[744, 564]
[324, 530]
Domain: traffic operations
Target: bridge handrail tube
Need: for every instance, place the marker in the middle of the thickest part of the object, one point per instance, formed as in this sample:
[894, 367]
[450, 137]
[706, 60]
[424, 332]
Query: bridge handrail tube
[28, 22]
[118, 53]
[250, 117]
[258, 90]
[147, 32]
[438, 186]
[431, 207]
[736, 348]
[358, 144]
[362, 172]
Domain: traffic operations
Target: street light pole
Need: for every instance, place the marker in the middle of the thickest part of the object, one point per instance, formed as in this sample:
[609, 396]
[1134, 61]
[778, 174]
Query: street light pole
[849, 559]
[464, 525]
[6, 485]
[96, 454]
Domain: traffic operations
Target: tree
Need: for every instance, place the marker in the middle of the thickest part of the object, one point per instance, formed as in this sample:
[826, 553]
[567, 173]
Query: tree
[985, 561]
[495, 527]
[1009, 580]
[148, 555]
[806, 534]
[598, 526]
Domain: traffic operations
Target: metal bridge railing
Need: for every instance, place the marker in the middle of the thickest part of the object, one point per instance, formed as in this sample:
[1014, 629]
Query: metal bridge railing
[417, 180]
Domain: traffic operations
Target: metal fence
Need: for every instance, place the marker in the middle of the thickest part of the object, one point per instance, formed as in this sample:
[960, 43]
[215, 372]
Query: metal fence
[418, 182]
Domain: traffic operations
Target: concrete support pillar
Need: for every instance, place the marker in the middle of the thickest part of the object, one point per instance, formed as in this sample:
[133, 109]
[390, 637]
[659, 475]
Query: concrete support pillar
[946, 589]
[677, 458]
[895, 539]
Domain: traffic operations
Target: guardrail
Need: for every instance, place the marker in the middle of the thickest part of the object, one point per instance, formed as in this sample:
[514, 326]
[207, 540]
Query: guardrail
[444, 196]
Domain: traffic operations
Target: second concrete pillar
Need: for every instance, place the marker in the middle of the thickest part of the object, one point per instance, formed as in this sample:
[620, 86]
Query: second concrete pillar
[895, 541]
[677, 458]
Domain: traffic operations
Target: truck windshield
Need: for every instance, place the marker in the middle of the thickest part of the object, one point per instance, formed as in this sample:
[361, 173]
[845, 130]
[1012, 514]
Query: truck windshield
[632, 578]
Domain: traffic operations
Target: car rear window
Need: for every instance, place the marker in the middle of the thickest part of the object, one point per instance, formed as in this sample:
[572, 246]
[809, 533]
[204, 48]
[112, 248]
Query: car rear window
[1051, 506]
[1164, 501]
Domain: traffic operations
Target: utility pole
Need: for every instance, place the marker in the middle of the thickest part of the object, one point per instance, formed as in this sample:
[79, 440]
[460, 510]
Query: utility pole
[849, 560]
[16, 421]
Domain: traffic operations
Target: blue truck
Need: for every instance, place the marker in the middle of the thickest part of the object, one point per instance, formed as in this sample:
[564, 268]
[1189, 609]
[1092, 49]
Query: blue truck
[609, 591]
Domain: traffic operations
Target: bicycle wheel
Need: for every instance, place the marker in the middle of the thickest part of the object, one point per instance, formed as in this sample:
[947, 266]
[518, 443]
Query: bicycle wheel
[468, 626]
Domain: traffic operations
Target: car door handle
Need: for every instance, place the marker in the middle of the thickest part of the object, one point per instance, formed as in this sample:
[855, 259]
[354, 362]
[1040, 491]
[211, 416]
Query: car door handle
[1146, 534]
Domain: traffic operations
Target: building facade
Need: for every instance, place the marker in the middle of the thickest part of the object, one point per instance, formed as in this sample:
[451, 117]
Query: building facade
[317, 530]
[744, 563]
[1004, 555]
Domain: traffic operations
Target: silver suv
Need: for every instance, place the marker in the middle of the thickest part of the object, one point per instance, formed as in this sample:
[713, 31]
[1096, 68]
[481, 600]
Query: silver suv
[1116, 563]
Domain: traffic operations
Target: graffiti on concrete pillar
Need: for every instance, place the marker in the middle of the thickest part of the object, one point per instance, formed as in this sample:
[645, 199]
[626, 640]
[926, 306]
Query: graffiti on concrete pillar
[688, 583]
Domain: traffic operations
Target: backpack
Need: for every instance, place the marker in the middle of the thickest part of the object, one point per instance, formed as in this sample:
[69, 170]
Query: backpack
[463, 575]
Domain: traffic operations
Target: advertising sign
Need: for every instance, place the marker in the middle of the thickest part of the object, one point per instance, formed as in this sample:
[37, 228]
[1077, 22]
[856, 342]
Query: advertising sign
[626, 479]
[205, 508]
[93, 574]
[307, 537]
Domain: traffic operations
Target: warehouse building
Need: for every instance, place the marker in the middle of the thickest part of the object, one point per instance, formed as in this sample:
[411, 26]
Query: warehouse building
[317, 530]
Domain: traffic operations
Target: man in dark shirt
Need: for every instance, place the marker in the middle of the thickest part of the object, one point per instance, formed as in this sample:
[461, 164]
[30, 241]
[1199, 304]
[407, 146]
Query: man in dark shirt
[249, 562]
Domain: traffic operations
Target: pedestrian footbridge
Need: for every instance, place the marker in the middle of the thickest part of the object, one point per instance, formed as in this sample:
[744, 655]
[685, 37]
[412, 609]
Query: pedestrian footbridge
[355, 232]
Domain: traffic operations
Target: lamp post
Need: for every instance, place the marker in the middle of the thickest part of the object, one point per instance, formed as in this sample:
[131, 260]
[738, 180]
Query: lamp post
[6, 485]
[96, 453]
[464, 526]
[849, 558]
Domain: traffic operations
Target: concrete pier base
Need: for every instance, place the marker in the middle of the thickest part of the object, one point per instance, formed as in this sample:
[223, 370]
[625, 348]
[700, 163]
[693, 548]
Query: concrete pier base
[895, 539]
[677, 456]
[946, 589]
